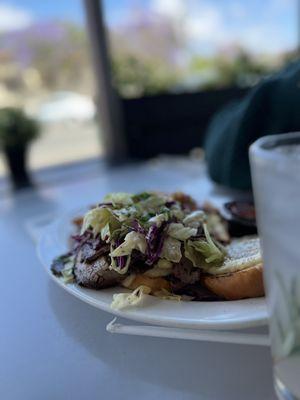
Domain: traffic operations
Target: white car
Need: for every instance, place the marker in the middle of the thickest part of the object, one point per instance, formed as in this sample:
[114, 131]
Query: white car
[66, 106]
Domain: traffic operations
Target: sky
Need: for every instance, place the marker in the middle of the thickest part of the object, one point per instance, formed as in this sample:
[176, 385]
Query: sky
[208, 24]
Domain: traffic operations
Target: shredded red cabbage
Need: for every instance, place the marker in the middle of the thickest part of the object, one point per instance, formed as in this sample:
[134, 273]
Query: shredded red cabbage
[155, 240]
[137, 227]
[90, 247]
[170, 203]
[121, 260]
[81, 239]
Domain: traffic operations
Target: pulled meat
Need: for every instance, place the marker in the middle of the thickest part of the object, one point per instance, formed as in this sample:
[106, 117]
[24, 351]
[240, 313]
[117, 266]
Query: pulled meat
[91, 251]
[198, 293]
[185, 272]
[185, 280]
[96, 274]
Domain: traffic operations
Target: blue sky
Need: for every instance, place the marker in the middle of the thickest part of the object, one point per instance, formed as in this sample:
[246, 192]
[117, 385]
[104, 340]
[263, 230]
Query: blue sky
[69, 9]
[259, 25]
[48, 9]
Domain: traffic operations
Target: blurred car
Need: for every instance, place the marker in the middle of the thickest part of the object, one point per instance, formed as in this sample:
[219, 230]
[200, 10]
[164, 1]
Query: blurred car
[61, 106]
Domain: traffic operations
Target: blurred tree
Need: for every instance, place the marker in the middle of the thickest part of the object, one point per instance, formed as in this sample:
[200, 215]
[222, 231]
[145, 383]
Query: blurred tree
[58, 51]
[134, 77]
[148, 52]
[228, 70]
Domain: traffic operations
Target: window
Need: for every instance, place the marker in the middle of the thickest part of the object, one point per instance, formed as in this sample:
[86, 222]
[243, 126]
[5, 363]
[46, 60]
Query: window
[176, 62]
[46, 69]
[173, 64]
[190, 45]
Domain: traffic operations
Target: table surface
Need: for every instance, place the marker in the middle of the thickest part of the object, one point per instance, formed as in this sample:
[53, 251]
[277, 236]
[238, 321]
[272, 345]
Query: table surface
[55, 347]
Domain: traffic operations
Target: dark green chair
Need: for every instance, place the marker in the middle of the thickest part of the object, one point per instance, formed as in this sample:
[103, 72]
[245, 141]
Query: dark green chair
[271, 107]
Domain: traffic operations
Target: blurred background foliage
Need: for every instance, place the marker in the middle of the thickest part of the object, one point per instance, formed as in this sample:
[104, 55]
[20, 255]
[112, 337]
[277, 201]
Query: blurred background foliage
[145, 60]
[43, 58]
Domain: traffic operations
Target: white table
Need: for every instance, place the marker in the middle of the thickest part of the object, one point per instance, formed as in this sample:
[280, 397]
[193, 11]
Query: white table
[54, 347]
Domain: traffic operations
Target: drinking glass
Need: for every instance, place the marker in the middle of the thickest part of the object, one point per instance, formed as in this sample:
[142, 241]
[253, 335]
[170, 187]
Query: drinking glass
[275, 170]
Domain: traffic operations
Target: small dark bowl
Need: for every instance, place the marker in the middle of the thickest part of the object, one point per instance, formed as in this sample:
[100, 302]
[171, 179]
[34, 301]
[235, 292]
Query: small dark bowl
[240, 216]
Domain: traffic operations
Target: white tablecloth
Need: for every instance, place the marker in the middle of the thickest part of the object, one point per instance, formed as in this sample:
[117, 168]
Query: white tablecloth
[54, 347]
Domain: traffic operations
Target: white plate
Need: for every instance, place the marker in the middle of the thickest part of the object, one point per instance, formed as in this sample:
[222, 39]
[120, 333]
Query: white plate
[196, 315]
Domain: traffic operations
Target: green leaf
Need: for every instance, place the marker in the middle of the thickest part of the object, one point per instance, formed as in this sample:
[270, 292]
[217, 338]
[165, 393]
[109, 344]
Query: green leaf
[140, 197]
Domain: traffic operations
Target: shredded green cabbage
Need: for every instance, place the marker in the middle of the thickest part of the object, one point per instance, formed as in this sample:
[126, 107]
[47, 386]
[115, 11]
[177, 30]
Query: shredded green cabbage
[98, 218]
[159, 219]
[133, 241]
[195, 219]
[152, 205]
[181, 232]
[161, 268]
[124, 300]
[203, 252]
[119, 198]
[171, 250]
[118, 269]
[68, 271]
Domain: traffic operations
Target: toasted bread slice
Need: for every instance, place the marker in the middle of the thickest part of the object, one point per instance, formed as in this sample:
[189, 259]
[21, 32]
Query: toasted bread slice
[241, 284]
